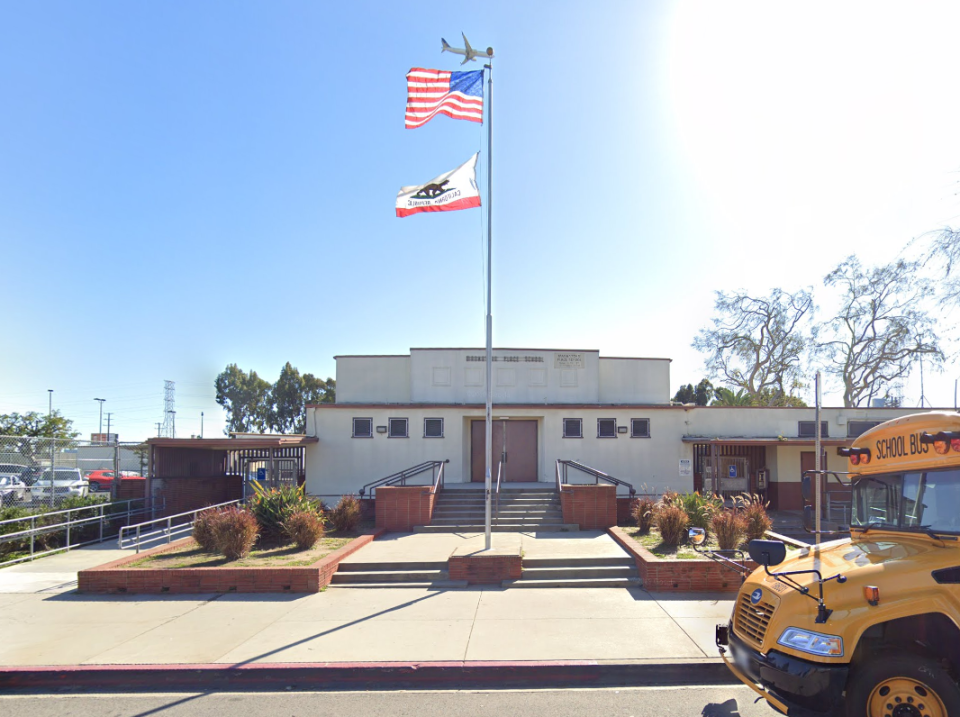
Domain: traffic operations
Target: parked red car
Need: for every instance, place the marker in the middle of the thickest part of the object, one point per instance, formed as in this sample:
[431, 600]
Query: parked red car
[101, 480]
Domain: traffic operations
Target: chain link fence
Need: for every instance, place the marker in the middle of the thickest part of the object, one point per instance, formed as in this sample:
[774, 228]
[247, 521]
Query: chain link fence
[48, 473]
[56, 494]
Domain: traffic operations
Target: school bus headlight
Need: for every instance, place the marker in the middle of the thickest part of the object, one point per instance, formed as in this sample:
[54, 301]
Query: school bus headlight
[813, 643]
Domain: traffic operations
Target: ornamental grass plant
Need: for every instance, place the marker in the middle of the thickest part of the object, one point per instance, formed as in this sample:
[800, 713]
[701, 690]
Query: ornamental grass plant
[671, 520]
[272, 507]
[642, 512]
[346, 516]
[304, 528]
[204, 530]
[754, 512]
[235, 532]
[730, 527]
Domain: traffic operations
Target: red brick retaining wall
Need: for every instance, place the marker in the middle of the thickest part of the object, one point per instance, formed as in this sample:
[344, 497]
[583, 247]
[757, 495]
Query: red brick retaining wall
[660, 575]
[399, 508]
[115, 577]
[484, 569]
[592, 507]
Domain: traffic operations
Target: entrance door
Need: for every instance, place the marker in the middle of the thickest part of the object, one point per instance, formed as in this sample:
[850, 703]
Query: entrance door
[515, 444]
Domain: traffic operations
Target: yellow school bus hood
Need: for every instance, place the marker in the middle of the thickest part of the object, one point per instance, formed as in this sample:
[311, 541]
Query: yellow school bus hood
[874, 554]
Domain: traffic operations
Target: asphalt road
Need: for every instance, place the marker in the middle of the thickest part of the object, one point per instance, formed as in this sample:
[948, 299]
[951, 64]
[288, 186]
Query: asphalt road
[621, 702]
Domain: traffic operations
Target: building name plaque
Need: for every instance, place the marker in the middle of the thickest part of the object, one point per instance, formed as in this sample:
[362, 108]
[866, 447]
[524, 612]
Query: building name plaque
[565, 360]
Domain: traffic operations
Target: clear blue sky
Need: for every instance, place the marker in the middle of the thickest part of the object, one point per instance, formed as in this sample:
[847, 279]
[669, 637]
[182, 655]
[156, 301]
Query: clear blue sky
[185, 185]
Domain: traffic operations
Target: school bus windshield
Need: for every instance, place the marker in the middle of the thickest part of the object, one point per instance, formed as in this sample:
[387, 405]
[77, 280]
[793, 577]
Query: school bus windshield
[912, 501]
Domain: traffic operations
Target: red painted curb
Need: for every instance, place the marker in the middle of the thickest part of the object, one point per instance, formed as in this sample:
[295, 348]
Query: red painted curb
[360, 675]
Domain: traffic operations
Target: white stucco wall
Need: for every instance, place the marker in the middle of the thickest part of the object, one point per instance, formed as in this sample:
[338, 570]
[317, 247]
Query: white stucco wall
[373, 379]
[634, 380]
[341, 464]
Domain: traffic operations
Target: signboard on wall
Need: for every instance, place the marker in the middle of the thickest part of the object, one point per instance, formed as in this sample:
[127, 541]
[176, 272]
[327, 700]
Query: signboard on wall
[686, 467]
[567, 360]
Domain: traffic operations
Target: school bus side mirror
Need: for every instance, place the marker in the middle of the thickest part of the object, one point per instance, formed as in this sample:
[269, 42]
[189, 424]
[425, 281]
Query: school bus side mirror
[767, 552]
[809, 518]
[806, 488]
[697, 536]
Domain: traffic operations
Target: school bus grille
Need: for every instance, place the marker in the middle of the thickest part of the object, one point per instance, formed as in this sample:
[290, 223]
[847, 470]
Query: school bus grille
[750, 621]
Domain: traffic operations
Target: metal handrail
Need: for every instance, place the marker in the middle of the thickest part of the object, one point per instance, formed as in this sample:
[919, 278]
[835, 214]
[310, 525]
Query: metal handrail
[170, 530]
[438, 480]
[559, 482]
[497, 493]
[69, 524]
[598, 475]
[402, 476]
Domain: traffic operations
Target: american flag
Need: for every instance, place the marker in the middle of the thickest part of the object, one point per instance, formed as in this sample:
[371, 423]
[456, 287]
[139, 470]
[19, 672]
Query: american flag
[455, 94]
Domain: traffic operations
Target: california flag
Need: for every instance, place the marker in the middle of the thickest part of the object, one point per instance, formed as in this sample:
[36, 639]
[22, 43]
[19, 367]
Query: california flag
[446, 193]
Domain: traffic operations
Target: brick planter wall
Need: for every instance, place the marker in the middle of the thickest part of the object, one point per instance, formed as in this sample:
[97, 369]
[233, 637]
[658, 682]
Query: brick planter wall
[660, 575]
[592, 507]
[115, 577]
[484, 569]
[399, 508]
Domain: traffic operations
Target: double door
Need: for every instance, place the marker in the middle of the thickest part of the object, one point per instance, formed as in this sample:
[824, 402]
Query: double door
[515, 445]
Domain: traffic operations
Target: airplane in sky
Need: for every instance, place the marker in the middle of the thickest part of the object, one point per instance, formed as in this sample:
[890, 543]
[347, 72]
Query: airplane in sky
[469, 53]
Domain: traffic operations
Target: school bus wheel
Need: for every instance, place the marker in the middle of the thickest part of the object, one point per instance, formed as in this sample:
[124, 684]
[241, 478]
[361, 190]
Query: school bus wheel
[902, 686]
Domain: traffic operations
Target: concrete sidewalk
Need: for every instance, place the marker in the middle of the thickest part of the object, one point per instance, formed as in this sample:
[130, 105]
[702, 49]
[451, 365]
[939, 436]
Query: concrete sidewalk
[46, 623]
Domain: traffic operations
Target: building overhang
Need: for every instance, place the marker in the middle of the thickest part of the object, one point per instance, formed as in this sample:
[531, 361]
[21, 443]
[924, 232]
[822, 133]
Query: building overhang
[758, 441]
[234, 444]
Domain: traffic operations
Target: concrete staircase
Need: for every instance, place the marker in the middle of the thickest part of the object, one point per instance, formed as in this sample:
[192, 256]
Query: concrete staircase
[582, 572]
[521, 510]
[394, 575]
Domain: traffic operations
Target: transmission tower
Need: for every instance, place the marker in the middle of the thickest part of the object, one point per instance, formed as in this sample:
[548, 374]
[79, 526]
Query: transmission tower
[169, 411]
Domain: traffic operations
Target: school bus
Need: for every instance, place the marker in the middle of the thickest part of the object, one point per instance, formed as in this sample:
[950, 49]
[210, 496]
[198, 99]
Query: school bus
[867, 625]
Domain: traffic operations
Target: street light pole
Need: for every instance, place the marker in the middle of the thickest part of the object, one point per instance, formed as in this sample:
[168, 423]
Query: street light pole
[101, 400]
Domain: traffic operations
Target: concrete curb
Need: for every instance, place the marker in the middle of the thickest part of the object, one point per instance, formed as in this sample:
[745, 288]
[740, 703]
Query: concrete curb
[363, 676]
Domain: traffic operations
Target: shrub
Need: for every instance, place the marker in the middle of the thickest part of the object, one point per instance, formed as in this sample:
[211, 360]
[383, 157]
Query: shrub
[730, 528]
[204, 530]
[235, 532]
[304, 528]
[671, 520]
[700, 509]
[272, 507]
[346, 515]
[642, 512]
[754, 512]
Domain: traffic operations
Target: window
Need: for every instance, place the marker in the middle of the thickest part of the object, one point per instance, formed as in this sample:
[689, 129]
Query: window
[363, 428]
[855, 428]
[606, 428]
[433, 428]
[573, 428]
[808, 429]
[397, 428]
[639, 427]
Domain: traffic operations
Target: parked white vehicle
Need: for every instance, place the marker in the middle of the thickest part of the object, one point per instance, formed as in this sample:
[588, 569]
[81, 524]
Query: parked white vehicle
[62, 482]
[12, 489]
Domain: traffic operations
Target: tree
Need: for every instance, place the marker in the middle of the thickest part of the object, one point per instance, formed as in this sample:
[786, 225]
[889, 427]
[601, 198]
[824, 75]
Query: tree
[37, 425]
[699, 395]
[756, 344]
[246, 399]
[726, 397]
[945, 248]
[881, 331]
[253, 404]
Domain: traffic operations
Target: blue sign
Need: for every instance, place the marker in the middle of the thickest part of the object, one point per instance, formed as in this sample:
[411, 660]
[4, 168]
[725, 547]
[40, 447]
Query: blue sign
[756, 595]
[261, 473]
[731, 472]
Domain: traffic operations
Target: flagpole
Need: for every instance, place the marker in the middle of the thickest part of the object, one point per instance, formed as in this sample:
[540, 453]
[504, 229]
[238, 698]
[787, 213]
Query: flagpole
[488, 109]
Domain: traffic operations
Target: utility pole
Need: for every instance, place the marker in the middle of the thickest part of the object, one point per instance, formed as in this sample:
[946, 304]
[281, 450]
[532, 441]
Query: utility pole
[158, 429]
[100, 400]
[50, 406]
[173, 423]
[201, 424]
[108, 425]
